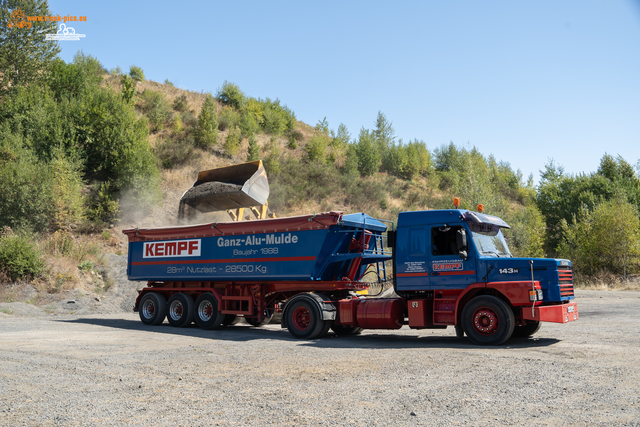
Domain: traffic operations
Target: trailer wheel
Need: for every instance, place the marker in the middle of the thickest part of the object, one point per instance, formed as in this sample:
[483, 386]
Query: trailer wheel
[230, 319]
[180, 312]
[254, 322]
[487, 320]
[304, 320]
[207, 314]
[153, 309]
[346, 330]
[527, 330]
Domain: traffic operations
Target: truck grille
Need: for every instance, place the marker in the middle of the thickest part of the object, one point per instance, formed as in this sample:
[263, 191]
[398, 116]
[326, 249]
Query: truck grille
[566, 281]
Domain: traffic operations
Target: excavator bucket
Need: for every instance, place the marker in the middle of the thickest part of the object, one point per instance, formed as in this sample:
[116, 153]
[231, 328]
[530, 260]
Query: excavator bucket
[231, 188]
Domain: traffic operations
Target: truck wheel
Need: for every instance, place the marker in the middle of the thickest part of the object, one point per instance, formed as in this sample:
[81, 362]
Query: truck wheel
[180, 312]
[207, 314]
[153, 309]
[346, 330]
[527, 330]
[487, 320]
[254, 322]
[304, 319]
[230, 319]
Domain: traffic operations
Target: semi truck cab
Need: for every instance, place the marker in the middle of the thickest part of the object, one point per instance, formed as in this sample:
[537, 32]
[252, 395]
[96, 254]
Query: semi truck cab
[455, 256]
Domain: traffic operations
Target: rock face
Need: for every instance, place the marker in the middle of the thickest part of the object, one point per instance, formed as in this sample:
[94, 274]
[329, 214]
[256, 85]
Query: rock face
[122, 291]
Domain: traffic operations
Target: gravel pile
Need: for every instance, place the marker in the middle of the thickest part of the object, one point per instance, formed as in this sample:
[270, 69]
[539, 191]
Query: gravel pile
[112, 370]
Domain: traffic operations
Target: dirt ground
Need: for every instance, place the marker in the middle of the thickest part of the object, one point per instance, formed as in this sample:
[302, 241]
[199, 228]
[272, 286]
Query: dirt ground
[110, 369]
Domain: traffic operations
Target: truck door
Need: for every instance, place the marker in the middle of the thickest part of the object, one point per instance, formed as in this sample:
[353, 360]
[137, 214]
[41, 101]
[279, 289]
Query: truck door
[412, 246]
[447, 270]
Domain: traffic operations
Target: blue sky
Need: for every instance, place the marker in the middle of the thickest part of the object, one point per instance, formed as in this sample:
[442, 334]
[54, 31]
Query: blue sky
[523, 80]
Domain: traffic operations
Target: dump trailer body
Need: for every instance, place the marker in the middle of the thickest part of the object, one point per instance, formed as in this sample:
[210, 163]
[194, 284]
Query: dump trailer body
[303, 248]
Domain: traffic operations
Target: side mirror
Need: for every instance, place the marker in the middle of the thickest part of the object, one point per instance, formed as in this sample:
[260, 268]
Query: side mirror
[461, 241]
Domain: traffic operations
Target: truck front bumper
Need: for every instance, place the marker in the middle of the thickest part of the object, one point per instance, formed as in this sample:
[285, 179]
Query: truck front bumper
[563, 313]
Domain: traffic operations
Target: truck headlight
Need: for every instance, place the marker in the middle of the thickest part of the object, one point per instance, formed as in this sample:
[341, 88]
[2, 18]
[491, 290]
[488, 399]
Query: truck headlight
[535, 295]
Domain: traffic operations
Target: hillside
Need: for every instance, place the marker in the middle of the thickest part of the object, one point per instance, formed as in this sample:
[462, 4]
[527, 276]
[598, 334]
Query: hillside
[109, 151]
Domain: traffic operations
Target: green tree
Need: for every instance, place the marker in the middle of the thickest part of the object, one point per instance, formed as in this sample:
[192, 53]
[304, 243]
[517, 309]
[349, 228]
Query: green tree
[136, 73]
[25, 55]
[230, 94]
[526, 236]
[316, 148]
[232, 143]
[605, 238]
[254, 149]
[384, 133]
[206, 132]
[368, 156]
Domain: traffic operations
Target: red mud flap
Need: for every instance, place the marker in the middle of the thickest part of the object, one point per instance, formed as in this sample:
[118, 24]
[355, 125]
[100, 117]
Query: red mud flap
[552, 313]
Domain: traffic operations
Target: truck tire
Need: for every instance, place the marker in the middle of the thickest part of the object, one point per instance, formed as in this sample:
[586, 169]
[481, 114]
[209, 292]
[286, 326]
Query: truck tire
[207, 314]
[488, 320]
[152, 309]
[180, 310]
[229, 319]
[346, 330]
[254, 322]
[527, 330]
[304, 319]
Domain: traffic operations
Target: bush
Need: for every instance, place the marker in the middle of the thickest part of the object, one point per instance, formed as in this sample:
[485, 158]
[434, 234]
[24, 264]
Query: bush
[232, 143]
[275, 120]
[368, 156]
[35, 194]
[103, 206]
[206, 132]
[272, 160]
[181, 103]
[317, 148]
[294, 134]
[230, 94]
[229, 118]
[248, 125]
[175, 151]
[128, 89]
[154, 105]
[20, 258]
[136, 73]
[254, 150]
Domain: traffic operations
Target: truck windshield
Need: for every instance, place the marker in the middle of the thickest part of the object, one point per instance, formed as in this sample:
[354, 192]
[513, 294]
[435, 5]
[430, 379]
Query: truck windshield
[489, 240]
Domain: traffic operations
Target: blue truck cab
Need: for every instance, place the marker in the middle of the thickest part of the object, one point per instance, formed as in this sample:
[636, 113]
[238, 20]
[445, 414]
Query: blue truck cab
[452, 249]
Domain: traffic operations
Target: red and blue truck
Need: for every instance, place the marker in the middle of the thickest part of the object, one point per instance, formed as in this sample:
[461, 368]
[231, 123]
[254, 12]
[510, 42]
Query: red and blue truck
[447, 267]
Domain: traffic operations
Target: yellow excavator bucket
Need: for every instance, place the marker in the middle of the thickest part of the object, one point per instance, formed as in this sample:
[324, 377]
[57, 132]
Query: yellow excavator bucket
[231, 188]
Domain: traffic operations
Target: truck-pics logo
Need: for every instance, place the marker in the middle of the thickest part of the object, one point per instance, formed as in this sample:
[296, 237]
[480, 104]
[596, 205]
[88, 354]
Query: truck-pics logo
[181, 248]
[451, 265]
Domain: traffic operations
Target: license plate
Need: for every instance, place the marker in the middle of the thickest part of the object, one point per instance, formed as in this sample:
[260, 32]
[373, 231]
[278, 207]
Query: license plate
[571, 309]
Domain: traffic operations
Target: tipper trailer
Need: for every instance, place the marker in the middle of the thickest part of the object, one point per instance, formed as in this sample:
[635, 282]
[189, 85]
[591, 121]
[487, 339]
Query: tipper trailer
[447, 267]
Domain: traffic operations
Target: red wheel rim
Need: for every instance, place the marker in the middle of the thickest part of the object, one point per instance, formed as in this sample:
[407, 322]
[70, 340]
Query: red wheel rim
[301, 318]
[485, 321]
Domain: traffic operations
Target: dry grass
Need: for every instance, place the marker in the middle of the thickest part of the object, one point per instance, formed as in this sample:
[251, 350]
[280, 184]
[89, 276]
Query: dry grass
[607, 282]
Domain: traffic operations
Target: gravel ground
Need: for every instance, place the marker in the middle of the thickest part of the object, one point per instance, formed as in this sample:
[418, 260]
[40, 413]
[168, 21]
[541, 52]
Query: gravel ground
[98, 369]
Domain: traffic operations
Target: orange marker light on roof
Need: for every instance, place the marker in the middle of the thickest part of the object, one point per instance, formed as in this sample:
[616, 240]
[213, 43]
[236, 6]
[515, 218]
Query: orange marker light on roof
[456, 202]
[480, 208]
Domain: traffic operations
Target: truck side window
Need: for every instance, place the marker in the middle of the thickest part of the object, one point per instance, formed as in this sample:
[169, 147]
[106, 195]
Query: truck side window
[417, 241]
[443, 240]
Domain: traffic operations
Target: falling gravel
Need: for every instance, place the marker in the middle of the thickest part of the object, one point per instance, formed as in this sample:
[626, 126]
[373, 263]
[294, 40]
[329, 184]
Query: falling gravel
[199, 193]
[111, 369]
